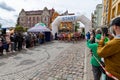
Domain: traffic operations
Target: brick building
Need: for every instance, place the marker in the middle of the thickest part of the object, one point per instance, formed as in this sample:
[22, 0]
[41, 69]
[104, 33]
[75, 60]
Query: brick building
[30, 18]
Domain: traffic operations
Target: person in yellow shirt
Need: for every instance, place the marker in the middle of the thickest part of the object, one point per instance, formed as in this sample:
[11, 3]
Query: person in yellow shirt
[111, 51]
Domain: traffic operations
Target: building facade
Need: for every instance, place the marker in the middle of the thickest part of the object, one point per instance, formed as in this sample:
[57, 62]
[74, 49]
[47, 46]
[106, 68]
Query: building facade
[106, 16]
[111, 10]
[30, 18]
[97, 16]
[115, 12]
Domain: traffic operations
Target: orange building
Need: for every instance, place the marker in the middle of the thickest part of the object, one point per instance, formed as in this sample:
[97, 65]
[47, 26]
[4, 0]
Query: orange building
[115, 12]
[55, 14]
[111, 10]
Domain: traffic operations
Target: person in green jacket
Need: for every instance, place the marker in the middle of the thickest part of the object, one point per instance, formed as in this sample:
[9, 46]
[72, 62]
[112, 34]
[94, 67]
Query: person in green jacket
[96, 68]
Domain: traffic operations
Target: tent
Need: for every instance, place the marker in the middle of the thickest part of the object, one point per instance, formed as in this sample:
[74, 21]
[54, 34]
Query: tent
[39, 27]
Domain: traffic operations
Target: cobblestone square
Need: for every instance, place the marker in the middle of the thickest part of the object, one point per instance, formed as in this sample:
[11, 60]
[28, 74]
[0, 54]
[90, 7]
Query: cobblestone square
[51, 61]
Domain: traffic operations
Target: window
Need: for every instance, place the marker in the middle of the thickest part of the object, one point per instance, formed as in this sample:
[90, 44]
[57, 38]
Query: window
[33, 18]
[29, 18]
[113, 12]
[113, 0]
[37, 19]
[21, 19]
[118, 13]
[45, 19]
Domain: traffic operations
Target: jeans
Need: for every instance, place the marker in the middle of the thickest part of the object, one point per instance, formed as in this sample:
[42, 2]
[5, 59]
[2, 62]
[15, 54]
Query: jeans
[40, 41]
[96, 72]
[15, 45]
[12, 46]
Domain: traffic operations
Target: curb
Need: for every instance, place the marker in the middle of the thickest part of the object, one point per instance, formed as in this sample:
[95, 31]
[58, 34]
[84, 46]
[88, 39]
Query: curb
[85, 65]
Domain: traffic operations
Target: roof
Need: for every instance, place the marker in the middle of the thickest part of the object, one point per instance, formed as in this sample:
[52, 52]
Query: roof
[36, 12]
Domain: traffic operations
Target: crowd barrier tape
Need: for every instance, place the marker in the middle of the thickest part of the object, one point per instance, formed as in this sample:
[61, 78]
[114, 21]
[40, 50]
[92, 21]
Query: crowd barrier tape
[107, 73]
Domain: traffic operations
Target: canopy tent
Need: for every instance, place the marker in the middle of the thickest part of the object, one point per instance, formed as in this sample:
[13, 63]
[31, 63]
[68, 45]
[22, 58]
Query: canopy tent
[39, 27]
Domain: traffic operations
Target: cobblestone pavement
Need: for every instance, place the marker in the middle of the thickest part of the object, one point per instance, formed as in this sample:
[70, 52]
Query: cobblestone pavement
[88, 71]
[67, 66]
[51, 61]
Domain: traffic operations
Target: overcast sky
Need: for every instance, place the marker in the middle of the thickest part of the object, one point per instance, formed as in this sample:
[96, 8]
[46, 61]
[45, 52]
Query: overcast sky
[9, 9]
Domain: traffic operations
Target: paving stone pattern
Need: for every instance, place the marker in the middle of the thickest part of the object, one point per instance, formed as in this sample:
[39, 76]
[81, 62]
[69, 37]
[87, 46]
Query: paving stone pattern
[51, 61]
[68, 65]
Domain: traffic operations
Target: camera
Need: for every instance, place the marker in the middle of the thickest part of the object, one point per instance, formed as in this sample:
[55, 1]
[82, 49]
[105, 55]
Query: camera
[105, 31]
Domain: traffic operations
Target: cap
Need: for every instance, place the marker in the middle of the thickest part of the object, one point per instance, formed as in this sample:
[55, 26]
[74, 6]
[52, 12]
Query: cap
[116, 22]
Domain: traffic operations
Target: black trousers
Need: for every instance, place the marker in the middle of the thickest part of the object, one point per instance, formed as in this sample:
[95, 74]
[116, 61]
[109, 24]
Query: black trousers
[19, 45]
[27, 44]
[96, 72]
[1, 50]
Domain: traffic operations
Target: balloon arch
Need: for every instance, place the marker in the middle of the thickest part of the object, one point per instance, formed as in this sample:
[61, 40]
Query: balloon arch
[71, 18]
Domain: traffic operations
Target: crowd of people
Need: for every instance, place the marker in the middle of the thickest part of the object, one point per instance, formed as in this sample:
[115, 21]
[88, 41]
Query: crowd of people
[70, 36]
[105, 51]
[18, 41]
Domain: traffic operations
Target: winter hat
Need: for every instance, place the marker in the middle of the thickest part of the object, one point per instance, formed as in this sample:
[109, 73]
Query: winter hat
[98, 36]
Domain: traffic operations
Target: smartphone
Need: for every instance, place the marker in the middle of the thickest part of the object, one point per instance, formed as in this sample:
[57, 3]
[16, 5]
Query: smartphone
[105, 31]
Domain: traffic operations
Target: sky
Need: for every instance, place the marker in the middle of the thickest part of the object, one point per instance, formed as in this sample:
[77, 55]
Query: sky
[9, 9]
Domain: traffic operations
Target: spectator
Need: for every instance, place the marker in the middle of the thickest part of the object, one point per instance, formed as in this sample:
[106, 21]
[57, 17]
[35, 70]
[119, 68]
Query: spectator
[5, 43]
[93, 34]
[12, 42]
[40, 38]
[111, 51]
[1, 46]
[20, 41]
[8, 42]
[96, 68]
[88, 35]
[98, 31]
[15, 41]
[24, 43]
[28, 38]
[34, 39]
[56, 36]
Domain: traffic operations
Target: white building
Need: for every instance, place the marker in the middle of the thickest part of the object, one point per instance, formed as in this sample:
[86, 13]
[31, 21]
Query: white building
[97, 16]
